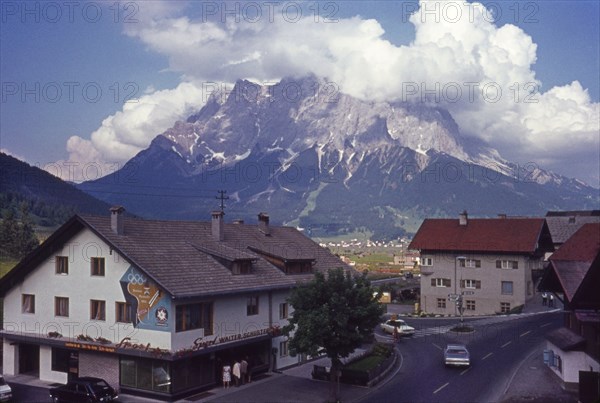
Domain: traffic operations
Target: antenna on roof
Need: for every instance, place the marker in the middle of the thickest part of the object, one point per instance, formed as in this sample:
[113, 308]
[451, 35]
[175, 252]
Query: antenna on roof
[222, 197]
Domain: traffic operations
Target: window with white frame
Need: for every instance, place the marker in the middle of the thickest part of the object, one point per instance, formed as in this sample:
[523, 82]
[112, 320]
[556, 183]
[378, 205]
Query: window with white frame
[504, 307]
[441, 303]
[441, 282]
[426, 261]
[507, 264]
[507, 287]
[473, 284]
[470, 305]
[471, 263]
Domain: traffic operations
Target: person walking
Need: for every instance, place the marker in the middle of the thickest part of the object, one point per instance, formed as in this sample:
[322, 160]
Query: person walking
[249, 369]
[551, 300]
[544, 298]
[236, 373]
[243, 370]
[226, 375]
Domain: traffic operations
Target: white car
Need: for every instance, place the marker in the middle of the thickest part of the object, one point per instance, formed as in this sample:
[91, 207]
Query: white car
[403, 329]
[457, 355]
[5, 390]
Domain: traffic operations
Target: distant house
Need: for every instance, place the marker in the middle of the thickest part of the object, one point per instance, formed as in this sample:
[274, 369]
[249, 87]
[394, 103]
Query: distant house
[155, 307]
[563, 224]
[489, 262]
[407, 260]
[573, 351]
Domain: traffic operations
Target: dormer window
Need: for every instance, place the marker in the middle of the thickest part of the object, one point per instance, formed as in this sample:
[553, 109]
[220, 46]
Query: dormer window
[237, 261]
[298, 267]
[241, 267]
[287, 265]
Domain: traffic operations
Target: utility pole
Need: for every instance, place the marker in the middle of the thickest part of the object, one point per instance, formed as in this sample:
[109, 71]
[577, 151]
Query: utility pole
[222, 197]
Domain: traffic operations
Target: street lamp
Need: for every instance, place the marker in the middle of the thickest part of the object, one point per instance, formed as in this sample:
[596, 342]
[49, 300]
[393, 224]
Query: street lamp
[459, 300]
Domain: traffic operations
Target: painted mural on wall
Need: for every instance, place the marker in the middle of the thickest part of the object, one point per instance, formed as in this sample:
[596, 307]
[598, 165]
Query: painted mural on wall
[151, 308]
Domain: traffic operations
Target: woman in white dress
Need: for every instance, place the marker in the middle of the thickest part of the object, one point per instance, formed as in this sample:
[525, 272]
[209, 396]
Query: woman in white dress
[226, 375]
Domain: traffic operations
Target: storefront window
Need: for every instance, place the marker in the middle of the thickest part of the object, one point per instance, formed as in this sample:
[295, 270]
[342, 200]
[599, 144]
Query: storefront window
[143, 373]
[60, 359]
[193, 372]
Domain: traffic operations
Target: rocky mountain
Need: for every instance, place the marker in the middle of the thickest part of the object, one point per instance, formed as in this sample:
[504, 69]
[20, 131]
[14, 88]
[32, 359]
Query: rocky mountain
[330, 163]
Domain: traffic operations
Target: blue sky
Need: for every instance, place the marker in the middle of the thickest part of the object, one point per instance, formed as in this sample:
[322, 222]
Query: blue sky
[138, 49]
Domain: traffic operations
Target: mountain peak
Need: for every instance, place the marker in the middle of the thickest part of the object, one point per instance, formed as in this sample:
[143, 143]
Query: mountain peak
[316, 157]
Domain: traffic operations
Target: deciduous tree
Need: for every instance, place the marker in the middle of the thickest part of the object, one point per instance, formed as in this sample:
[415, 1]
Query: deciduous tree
[337, 311]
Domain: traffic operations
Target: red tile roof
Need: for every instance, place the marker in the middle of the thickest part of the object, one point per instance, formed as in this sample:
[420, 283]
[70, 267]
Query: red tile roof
[574, 260]
[494, 235]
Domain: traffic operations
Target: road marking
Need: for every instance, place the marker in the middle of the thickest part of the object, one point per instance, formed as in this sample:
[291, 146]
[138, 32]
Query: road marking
[523, 334]
[505, 344]
[465, 371]
[546, 324]
[438, 347]
[441, 387]
[488, 355]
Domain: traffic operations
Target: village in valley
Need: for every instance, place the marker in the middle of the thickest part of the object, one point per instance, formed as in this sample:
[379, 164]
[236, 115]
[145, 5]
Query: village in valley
[298, 202]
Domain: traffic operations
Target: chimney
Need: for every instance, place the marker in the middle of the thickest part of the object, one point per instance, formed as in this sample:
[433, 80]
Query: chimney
[218, 232]
[462, 218]
[263, 223]
[117, 220]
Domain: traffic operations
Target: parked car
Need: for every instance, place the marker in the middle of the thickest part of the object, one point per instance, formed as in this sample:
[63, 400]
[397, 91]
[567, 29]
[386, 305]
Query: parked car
[403, 329]
[5, 390]
[457, 355]
[84, 389]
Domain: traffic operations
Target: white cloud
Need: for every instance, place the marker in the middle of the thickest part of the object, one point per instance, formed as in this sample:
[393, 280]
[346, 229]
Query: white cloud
[490, 65]
[130, 130]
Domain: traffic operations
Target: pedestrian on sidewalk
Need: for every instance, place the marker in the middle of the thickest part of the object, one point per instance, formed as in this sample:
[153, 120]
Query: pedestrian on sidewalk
[551, 300]
[236, 373]
[226, 375]
[544, 298]
[243, 370]
[396, 335]
[249, 369]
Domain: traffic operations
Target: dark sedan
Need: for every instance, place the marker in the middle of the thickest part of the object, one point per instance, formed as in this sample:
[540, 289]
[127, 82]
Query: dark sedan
[85, 389]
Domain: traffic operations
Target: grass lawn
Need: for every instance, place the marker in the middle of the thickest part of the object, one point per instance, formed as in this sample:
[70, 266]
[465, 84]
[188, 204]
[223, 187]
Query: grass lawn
[6, 265]
[367, 363]
[374, 258]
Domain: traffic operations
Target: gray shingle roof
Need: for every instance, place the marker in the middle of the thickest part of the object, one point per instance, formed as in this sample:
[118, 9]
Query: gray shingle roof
[563, 227]
[179, 255]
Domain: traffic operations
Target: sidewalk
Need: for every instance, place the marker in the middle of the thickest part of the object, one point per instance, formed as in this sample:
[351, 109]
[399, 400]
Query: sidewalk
[294, 384]
[534, 382]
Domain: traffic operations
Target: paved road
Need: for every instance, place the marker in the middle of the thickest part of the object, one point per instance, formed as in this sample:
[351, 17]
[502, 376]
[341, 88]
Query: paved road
[496, 346]
[27, 393]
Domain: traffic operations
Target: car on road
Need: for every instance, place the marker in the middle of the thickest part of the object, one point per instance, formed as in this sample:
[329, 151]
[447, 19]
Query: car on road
[84, 389]
[5, 390]
[457, 355]
[403, 329]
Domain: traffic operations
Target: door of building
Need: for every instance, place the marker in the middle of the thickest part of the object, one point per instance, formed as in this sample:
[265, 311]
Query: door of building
[29, 359]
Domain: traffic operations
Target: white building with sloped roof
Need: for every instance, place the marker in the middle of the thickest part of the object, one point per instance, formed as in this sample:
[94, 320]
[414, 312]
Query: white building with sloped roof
[155, 307]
